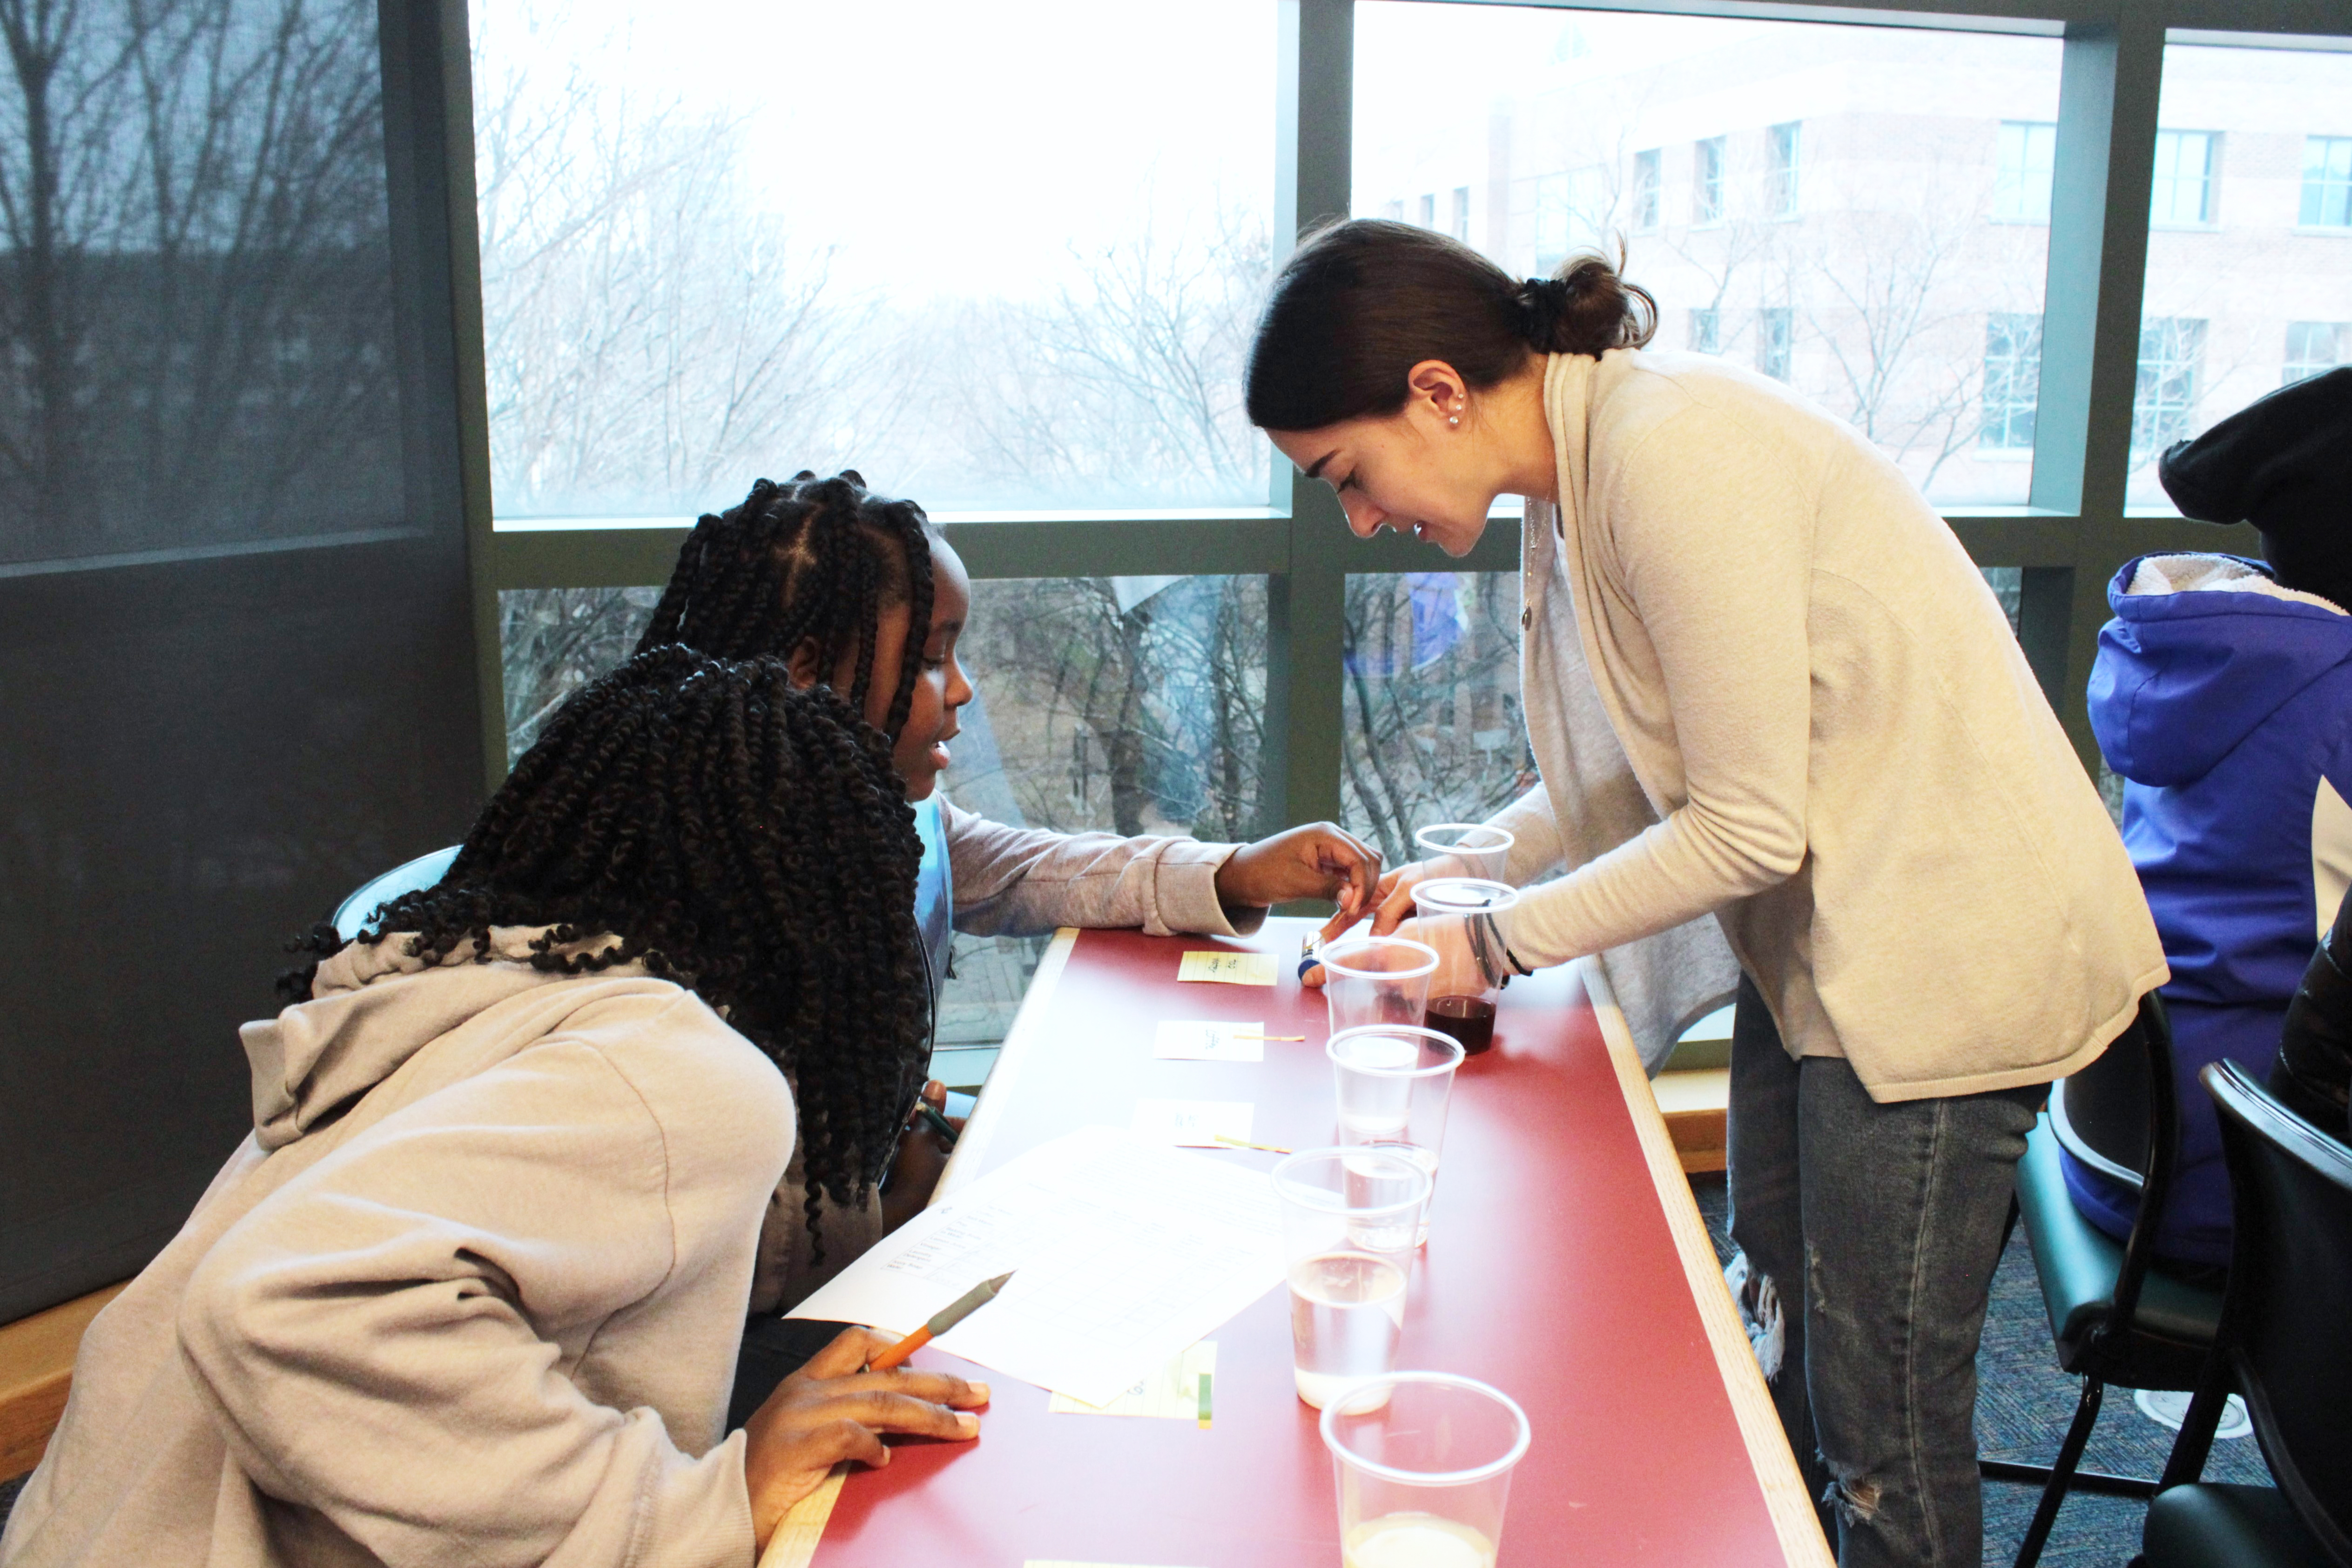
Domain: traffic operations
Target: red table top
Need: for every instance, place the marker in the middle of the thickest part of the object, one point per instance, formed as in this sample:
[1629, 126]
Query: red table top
[1550, 1272]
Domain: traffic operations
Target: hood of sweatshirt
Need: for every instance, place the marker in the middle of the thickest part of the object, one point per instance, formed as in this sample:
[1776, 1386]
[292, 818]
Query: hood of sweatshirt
[2203, 648]
[372, 1007]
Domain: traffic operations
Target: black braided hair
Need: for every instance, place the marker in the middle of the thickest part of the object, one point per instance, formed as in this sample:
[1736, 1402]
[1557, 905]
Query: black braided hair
[746, 839]
[812, 560]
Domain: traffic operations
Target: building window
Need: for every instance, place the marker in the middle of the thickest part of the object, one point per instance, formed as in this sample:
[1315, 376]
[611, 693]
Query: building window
[2012, 380]
[2164, 397]
[1777, 327]
[1645, 191]
[1461, 214]
[1705, 331]
[2315, 348]
[1429, 212]
[2327, 182]
[2182, 193]
[2026, 152]
[1781, 169]
[1393, 210]
[1569, 212]
[1707, 182]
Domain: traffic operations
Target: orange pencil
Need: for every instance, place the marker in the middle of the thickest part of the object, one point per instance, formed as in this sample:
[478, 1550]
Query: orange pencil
[963, 1307]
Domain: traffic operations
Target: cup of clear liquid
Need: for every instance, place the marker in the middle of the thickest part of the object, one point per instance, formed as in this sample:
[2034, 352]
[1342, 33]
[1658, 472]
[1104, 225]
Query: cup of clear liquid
[1394, 1082]
[1349, 1217]
[1455, 917]
[1424, 1461]
[1376, 980]
[1464, 849]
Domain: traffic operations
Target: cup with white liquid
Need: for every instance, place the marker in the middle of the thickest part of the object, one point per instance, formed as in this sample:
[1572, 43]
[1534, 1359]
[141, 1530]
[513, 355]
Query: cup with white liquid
[1464, 849]
[1394, 1082]
[1424, 1461]
[1350, 1220]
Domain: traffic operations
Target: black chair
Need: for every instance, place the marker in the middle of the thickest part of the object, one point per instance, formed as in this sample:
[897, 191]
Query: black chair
[2281, 1343]
[2115, 1318]
[351, 915]
[2312, 1075]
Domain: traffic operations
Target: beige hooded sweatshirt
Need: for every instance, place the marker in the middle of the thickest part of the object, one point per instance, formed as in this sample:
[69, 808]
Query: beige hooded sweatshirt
[471, 1292]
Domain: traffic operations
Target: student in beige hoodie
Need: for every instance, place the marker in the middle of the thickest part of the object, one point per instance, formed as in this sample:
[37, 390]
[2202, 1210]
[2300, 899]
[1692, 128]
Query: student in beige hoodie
[1841, 756]
[471, 1292]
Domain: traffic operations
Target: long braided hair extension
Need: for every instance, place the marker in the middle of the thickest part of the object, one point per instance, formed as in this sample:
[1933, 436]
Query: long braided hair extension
[812, 560]
[748, 840]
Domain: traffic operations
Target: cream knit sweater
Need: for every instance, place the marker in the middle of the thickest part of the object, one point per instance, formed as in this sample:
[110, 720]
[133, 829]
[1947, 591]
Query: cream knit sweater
[1851, 764]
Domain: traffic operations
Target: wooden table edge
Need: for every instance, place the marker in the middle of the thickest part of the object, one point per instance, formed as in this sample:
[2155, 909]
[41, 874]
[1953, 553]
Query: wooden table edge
[1786, 1497]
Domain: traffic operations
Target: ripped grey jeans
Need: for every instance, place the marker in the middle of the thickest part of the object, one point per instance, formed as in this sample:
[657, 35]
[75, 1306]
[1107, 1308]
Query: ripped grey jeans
[1890, 1217]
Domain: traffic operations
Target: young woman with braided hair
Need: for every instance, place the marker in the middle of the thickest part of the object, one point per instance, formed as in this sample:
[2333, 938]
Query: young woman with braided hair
[471, 1290]
[1764, 685]
[834, 578]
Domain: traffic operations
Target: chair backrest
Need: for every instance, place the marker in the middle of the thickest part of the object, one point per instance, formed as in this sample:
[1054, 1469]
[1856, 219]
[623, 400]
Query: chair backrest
[2290, 1302]
[351, 915]
[2101, 1115]
[2314, 1070]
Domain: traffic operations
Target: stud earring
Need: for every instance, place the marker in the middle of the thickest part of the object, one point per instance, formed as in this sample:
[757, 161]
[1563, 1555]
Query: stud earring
[1456, 419]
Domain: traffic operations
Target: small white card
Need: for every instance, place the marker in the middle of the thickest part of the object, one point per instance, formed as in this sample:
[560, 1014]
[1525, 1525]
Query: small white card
[1193, 1123]
[1177, 1392]
[1206, 1039]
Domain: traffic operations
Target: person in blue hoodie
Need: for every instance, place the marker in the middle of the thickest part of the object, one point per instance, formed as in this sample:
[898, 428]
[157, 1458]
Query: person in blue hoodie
[2223, 695]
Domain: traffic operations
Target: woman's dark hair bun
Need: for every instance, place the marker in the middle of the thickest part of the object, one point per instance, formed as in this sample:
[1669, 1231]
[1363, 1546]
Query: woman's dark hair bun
[1587, 308]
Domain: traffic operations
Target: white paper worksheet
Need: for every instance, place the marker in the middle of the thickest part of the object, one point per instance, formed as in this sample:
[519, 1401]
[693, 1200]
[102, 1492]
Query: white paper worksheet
[1123, 1252]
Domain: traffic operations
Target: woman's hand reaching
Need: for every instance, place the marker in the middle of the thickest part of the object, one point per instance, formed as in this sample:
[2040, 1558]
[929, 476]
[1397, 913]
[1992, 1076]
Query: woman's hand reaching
[831, 1410]
[1318, 861]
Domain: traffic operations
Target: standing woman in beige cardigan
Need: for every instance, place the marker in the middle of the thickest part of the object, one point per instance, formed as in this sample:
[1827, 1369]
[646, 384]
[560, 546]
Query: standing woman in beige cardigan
[1849, 764]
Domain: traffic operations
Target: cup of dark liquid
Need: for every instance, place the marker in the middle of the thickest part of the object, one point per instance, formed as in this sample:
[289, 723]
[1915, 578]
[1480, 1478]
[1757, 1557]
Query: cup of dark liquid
[1455, 915]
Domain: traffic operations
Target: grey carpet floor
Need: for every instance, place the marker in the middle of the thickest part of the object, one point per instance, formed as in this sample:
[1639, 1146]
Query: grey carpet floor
[2023, 1405]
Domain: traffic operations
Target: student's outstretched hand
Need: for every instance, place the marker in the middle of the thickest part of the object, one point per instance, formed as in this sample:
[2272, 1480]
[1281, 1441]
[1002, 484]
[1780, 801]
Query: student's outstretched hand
[1318, 861]
[830, 1410]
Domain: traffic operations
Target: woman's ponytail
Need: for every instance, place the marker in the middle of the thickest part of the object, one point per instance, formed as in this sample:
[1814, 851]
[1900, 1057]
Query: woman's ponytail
[1587, 307]
[1361, 303]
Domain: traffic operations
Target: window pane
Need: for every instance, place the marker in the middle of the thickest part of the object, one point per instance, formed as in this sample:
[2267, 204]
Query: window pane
[991, 257]
[1434, 731]
[1846, 207]
[2256, 298]
[1130, 704]
[186, 363]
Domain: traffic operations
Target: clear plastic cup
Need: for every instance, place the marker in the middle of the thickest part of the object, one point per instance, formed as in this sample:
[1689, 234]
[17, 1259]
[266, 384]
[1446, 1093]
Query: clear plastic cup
[1424, 1461]
[1376, 980]
[1394, 1082]
[1348, 1220]
[1464, 849]
[1455, 917]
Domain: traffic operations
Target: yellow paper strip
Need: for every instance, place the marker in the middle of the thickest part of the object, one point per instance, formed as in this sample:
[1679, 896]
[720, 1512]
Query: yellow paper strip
[1227, 967]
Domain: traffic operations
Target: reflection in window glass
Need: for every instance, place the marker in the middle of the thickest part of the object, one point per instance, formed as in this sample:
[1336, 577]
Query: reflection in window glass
[1434, 731]
[554, 641]
[1014, 268]
[2247, 301]
[194, 286]
[1851, 204]
[2025, 154]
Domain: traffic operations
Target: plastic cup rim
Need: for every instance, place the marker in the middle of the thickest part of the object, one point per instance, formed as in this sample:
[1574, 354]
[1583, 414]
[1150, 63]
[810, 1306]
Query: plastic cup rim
[1315, 1198]
[1421, 838]
[1330, 1049]
[1427, 966]
[1338, 1404]
[1497, 896]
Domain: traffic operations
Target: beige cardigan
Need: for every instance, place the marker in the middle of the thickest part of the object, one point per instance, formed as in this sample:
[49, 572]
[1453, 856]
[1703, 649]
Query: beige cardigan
[1852, 763]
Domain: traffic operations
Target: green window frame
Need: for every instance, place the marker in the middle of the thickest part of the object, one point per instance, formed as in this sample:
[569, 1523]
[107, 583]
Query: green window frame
[2065, 543]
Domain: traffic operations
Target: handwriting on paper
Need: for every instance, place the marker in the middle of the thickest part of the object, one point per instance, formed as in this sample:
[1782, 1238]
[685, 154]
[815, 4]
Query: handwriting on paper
[1225, 966]
[1206, 1039]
